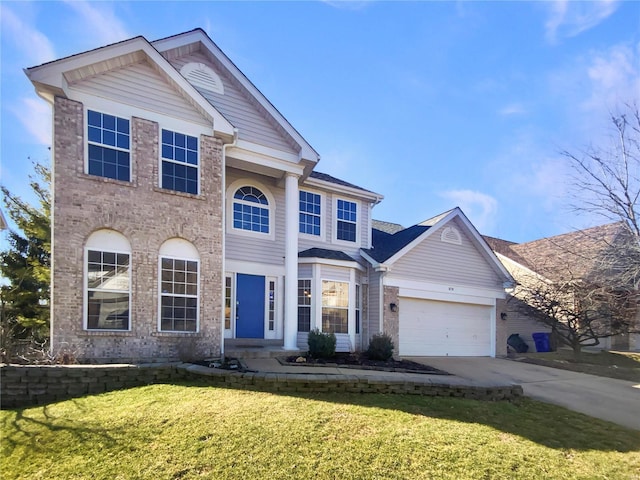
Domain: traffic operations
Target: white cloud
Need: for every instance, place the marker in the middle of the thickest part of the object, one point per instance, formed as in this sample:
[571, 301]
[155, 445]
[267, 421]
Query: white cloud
[614, 77]
[348, 4]
[512, 109]
[569, 18]
[479, 207]
[101, 21]
[35, 46]
[35, 115]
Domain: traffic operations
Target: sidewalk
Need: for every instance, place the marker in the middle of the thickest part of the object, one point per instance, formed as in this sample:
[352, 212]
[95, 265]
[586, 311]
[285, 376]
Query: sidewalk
[271, 365]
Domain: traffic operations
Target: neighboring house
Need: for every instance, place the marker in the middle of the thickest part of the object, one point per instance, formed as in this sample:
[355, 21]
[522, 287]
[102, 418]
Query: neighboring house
[188, 217]
[584, 255]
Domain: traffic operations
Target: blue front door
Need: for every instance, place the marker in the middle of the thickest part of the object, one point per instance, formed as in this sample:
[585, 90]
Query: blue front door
[249, 306]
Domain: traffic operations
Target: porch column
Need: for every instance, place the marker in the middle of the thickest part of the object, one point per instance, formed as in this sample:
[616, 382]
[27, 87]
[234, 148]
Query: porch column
[291, 263]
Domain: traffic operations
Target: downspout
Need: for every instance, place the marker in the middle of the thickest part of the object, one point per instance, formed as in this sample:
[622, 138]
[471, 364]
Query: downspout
[223, 199]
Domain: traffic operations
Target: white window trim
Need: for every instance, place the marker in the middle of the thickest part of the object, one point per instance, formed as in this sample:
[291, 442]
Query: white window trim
[159, 322]
[231, 190]
[161, 159]
[334, 236]
[270, 334]
[85, 313]
[87, 142]
[349, 308]
[323, 228]
[230, 332]
[311, 304]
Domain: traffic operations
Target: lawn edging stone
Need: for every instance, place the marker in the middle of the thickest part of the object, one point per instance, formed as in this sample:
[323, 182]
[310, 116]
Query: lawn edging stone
[28, 385]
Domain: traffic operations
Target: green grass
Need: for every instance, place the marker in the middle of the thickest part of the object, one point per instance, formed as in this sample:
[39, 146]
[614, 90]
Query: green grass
[620, 365]
[194, 431]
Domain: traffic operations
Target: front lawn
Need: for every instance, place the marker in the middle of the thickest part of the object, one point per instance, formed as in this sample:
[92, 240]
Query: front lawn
[620, 365]
[196, 431]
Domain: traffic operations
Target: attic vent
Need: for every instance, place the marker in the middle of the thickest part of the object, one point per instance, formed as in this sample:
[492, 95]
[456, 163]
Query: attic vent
[202, 77]
[451, 235]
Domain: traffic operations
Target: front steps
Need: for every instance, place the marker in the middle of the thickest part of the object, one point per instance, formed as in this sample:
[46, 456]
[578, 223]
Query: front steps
[256, 348]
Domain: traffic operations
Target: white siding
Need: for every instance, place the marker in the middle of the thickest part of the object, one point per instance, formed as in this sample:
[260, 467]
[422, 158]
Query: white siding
[326, 239]
[237, 107]
[141, 86]
[249, 248]
[335, 273]
[305, 271]
[437, 261]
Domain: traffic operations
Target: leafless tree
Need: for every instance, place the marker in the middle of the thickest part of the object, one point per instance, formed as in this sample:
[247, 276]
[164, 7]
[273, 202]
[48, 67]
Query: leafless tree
[606, 182]
[579, 312]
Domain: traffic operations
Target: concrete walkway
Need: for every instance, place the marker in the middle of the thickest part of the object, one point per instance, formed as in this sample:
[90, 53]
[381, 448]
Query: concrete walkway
[617, 401]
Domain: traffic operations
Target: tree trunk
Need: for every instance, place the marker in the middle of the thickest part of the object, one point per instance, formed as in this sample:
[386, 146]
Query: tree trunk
[577, 351]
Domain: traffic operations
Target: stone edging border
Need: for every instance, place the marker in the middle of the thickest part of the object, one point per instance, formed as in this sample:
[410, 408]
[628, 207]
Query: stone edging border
[29, 385]
[341, 383]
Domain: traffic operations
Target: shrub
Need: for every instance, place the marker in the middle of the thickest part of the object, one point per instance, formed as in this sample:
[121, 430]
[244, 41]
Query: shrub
[380, 347]
[321, 345]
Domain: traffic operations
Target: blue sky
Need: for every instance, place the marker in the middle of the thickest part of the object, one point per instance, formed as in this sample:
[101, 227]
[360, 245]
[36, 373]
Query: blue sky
[432, 104]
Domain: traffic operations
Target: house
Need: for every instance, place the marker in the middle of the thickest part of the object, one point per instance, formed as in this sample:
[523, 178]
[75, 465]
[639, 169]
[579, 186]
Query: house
[189, 217]
[581, 256]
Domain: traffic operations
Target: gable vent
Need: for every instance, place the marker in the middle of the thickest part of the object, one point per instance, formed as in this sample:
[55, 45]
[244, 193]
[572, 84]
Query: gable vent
[451, 235]
[202, 77]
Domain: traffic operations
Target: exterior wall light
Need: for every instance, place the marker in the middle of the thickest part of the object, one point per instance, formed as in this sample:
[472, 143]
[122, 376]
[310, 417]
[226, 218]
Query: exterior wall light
[393, 307]
[503, 316]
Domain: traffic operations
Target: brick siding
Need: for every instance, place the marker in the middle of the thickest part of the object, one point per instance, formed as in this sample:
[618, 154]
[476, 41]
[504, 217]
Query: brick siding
[147, 216]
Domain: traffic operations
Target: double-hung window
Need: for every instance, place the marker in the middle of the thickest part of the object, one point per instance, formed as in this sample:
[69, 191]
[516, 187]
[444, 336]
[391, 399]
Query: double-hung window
[335, 307]
[347, 217]
[179, 295]
[108, 279]
[310, 213]
[179, 162]
[108, 146]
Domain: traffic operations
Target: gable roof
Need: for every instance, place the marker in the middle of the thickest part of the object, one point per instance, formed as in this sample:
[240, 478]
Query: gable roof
[386, 245]
[322, 179]
[576, 254]
[386, 227]
[195, 37]
[51, 79]
[389, 247]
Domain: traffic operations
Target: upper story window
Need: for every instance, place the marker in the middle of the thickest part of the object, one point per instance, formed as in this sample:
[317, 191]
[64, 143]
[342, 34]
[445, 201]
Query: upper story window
[310, 213]
[250, 210]
[179, 162]
[347, 217]
[109, 146]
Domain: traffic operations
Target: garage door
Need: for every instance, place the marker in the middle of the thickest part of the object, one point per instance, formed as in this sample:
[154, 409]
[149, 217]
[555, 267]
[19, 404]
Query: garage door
[432, 328]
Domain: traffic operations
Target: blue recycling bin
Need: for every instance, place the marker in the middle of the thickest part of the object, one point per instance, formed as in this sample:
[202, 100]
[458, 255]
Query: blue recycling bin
[542, 341]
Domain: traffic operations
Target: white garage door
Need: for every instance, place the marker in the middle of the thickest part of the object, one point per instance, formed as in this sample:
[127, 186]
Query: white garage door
[432, 328]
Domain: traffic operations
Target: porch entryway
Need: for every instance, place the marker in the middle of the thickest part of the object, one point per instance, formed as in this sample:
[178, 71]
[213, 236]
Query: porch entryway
[250, 303]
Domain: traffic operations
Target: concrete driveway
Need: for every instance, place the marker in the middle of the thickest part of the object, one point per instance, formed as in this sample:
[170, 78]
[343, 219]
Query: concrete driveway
[617, 401]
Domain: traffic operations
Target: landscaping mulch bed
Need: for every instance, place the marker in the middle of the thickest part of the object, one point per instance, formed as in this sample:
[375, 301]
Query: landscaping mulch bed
[361, 362]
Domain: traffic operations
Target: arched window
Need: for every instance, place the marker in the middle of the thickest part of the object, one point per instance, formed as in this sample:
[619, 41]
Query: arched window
[108, 281]
[179, 267]
[250, 210]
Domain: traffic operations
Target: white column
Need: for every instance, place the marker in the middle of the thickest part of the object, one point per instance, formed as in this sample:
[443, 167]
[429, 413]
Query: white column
[351, 322]
[291, 262]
